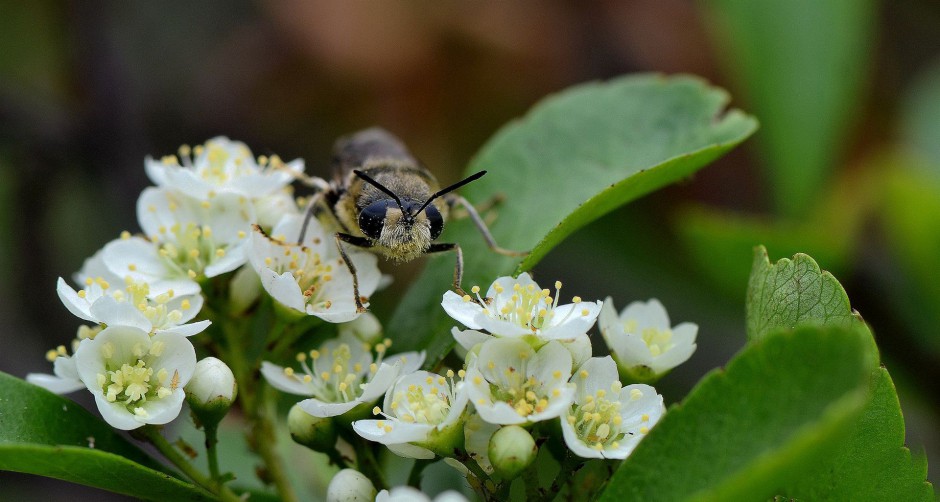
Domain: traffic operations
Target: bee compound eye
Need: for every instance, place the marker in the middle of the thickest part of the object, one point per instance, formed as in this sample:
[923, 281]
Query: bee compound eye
[372, 218]
[436, 220]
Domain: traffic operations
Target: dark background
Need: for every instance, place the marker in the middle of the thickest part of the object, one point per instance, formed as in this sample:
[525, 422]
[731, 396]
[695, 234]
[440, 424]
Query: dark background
[88, 89]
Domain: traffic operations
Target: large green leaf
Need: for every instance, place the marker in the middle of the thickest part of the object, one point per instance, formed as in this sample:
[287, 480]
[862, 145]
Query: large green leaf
[801, 65]
[45, 434]
[777, 411]
[793, 292]
[873, 463]
[573, 158]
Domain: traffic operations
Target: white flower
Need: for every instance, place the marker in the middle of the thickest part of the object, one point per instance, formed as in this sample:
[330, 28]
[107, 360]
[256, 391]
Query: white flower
[271, 208]
[343, 375]
[105, 303]
[65, 378]
[186, 239]
[350, 485]
[641, 340]
[608, 420]
[410, 494]
[519, 307]
[141, 260]
[422, 416]
[509, 382]
[222, 166]
[311, 278]
[136, 378]
[579, 347]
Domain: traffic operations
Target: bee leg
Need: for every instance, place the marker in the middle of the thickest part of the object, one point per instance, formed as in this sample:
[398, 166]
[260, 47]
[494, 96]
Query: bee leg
[309, 214]
[322, 187]
[481, 226]
[355, 241]
[441, 247]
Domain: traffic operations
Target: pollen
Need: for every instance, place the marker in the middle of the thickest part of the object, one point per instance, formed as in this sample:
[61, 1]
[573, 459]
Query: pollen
[125, 235]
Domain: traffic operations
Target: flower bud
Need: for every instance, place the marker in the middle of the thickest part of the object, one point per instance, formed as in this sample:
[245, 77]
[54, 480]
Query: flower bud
[366, 327]
[244, 290]
[350, 485]
[316, 433]
[211, 391]
[511, 451]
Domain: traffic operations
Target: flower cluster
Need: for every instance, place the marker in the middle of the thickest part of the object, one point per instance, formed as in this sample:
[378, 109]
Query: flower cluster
[143, 294]
[221, 226]
[529, 362]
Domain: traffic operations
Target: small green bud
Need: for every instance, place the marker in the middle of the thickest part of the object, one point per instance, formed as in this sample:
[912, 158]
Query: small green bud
[211, 391]
[511, 451]
[316, 433]
[349, 485]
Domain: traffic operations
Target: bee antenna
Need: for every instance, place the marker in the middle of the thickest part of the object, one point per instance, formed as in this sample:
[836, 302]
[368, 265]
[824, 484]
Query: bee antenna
[468, 179]
[378, 185]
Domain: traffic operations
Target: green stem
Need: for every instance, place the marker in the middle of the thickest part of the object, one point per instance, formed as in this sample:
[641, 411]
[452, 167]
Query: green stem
[265, 440]
[153, 435]
[481, 476]
[367, 463]
[414, 478]
[212, 439]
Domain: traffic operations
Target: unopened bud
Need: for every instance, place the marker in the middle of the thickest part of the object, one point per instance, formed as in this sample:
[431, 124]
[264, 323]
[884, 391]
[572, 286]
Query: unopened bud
[211, 391]
[244, 289]
[316, 433]
[350, 485]
[511, 451]
[366, 327]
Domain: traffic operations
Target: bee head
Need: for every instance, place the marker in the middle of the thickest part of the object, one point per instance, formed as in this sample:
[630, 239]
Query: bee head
[404, 224]
[396, 213]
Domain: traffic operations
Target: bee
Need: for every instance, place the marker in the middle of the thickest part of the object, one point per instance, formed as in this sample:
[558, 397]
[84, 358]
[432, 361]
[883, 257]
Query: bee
[383, 199]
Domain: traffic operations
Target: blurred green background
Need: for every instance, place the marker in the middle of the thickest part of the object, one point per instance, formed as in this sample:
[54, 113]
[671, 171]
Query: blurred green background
[846, 165]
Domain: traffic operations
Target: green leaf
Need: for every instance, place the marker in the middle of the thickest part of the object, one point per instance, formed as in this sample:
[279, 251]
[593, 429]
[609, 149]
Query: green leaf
[793, 292]
[45, 434]
[574, 157]
[801, 65]
[778, 409]
[873, 463]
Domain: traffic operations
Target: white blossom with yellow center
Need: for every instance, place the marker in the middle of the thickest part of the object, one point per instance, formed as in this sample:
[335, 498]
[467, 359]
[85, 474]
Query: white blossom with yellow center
[129, 303]
[185, 240]
[222, 166]
[519, 307]
[311, 277]
[642, 341]
[422, 413]
[341, 375]
[608, 420]
[136, 378]
[509, 382]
